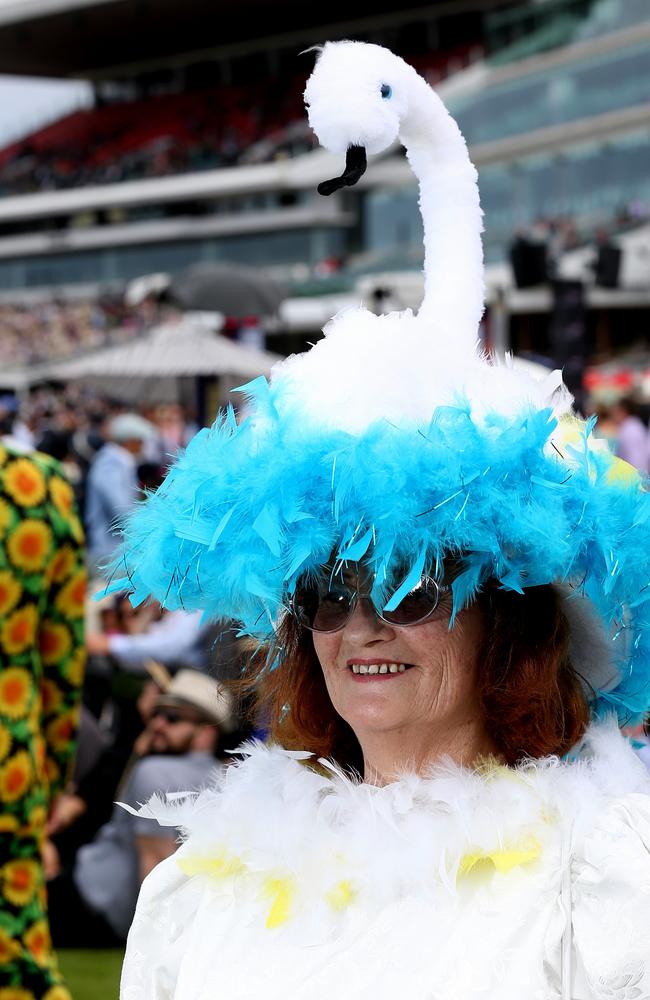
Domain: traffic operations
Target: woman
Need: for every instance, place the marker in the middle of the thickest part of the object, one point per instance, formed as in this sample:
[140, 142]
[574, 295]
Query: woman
[447, 577]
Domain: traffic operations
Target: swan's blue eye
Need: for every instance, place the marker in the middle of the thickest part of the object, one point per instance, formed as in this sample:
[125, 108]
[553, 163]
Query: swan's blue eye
[386, 90]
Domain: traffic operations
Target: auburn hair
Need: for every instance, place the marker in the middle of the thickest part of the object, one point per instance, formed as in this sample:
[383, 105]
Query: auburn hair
[533, 701]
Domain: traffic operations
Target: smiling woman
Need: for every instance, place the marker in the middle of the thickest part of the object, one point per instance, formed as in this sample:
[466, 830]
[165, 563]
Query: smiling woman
[500, 682]
[447, 579]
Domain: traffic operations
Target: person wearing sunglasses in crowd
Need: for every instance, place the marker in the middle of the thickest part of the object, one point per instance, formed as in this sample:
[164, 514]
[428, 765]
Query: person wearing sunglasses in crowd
[93, 904]
[447, 578]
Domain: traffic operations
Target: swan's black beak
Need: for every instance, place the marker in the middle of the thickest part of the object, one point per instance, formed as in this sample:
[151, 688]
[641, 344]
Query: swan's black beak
[355, 168]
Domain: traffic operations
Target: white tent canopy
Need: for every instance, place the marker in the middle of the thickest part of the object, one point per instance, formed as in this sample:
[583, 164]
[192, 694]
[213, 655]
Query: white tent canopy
[154, 367]
[174, 350]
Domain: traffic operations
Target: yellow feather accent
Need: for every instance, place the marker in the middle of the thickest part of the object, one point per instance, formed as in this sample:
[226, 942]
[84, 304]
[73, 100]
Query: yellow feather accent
[622, 473]
[502, 860]
[221, 866]
[341, 896]
[570, 431]
[281, 891]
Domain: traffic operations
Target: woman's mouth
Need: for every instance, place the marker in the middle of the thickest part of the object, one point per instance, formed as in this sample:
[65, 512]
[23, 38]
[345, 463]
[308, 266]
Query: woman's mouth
[383, 669]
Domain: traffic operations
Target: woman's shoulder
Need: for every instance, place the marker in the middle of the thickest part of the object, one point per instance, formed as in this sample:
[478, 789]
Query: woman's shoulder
[610, 871]
[616, 781]
[611, 828]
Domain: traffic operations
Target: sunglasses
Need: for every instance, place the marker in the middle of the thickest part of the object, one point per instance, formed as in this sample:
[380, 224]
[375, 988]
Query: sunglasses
[173, 717]
[327, 606]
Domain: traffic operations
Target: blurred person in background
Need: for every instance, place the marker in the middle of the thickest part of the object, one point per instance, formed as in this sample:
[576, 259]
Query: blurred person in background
[15, 431]
[87, 803]
[606, 427]
[93, 904]
[173, 427]
[113, 488]
[175, 638]
[7, 415]
[632, 441]
[14, 428]
[110, 693]
[42, 655]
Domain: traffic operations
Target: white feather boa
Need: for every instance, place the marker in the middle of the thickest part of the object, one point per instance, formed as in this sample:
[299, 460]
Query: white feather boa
[294, 883]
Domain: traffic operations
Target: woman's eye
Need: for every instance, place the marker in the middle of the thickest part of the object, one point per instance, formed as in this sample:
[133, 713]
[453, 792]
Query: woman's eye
[334, 597]
[386, 90]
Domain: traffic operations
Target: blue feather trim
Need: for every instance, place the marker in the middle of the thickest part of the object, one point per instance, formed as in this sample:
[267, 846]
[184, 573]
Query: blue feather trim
[248, 509]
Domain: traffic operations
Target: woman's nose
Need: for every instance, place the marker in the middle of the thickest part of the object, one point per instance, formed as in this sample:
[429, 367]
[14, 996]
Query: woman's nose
[365, 627]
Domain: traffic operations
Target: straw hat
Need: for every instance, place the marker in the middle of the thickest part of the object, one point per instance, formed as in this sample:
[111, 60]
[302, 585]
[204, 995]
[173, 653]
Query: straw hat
[190, 688]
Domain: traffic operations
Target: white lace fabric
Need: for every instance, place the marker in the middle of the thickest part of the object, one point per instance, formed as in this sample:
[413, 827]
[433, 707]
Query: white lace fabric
[292, 884]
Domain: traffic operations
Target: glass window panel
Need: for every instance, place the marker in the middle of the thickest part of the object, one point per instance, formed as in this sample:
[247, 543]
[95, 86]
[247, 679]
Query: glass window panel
[591, 86]
[124, 263]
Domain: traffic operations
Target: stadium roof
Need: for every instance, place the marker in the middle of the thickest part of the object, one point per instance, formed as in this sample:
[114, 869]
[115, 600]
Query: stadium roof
[108, 38]
[25, 10]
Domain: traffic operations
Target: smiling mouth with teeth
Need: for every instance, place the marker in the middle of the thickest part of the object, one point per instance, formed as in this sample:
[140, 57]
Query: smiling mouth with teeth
[366, 669]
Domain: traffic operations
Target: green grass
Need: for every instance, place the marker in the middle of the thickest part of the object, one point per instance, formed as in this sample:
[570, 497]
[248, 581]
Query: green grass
[90, 974]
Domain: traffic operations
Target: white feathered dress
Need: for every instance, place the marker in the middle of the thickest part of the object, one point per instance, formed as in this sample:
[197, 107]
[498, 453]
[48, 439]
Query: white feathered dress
[500, 884]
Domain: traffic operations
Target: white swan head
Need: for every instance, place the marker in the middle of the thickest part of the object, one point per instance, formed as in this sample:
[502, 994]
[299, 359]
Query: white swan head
[358, 95]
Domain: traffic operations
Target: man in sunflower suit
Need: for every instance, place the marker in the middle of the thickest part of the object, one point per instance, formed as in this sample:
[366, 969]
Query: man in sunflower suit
[42, 594]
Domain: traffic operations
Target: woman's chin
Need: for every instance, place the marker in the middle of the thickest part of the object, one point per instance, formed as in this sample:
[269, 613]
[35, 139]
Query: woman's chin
[375, 713]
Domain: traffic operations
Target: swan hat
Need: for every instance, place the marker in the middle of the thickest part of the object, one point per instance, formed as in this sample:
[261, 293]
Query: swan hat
[395, 441]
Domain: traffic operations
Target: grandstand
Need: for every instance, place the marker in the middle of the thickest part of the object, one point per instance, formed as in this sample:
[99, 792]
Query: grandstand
[193, 150]
[197, 149]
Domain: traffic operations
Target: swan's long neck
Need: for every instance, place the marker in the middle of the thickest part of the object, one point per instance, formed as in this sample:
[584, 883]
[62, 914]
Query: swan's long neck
[451, 213]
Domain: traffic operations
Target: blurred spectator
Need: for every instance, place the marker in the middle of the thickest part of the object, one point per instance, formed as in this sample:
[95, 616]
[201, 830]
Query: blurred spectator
[632, 442]
[42, 593]
[112, 487]
[8, 417]
[87, 803]
[175, 432]
[177, 638]
[537, 249]
[93, 905]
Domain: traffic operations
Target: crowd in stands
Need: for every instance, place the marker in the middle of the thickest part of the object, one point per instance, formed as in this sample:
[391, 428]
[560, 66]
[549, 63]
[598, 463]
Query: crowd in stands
[537, 249]
[154, 137]
[53, 328]
[158, 136]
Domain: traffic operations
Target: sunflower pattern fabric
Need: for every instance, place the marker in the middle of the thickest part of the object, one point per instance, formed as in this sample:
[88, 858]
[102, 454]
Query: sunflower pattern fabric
[42, 593]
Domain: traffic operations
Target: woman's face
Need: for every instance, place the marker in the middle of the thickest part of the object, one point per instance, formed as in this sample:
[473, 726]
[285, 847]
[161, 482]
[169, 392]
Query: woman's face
[436, 692]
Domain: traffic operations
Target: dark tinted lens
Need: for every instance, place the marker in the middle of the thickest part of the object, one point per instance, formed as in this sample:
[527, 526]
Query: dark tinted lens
[169, 715]
[323, 610]
[417, 605]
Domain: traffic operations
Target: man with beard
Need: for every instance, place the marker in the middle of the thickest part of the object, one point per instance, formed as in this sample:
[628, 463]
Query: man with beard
[93, 904]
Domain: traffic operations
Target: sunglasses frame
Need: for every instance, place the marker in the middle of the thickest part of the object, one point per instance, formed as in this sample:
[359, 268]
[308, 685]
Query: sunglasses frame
[440, 588]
